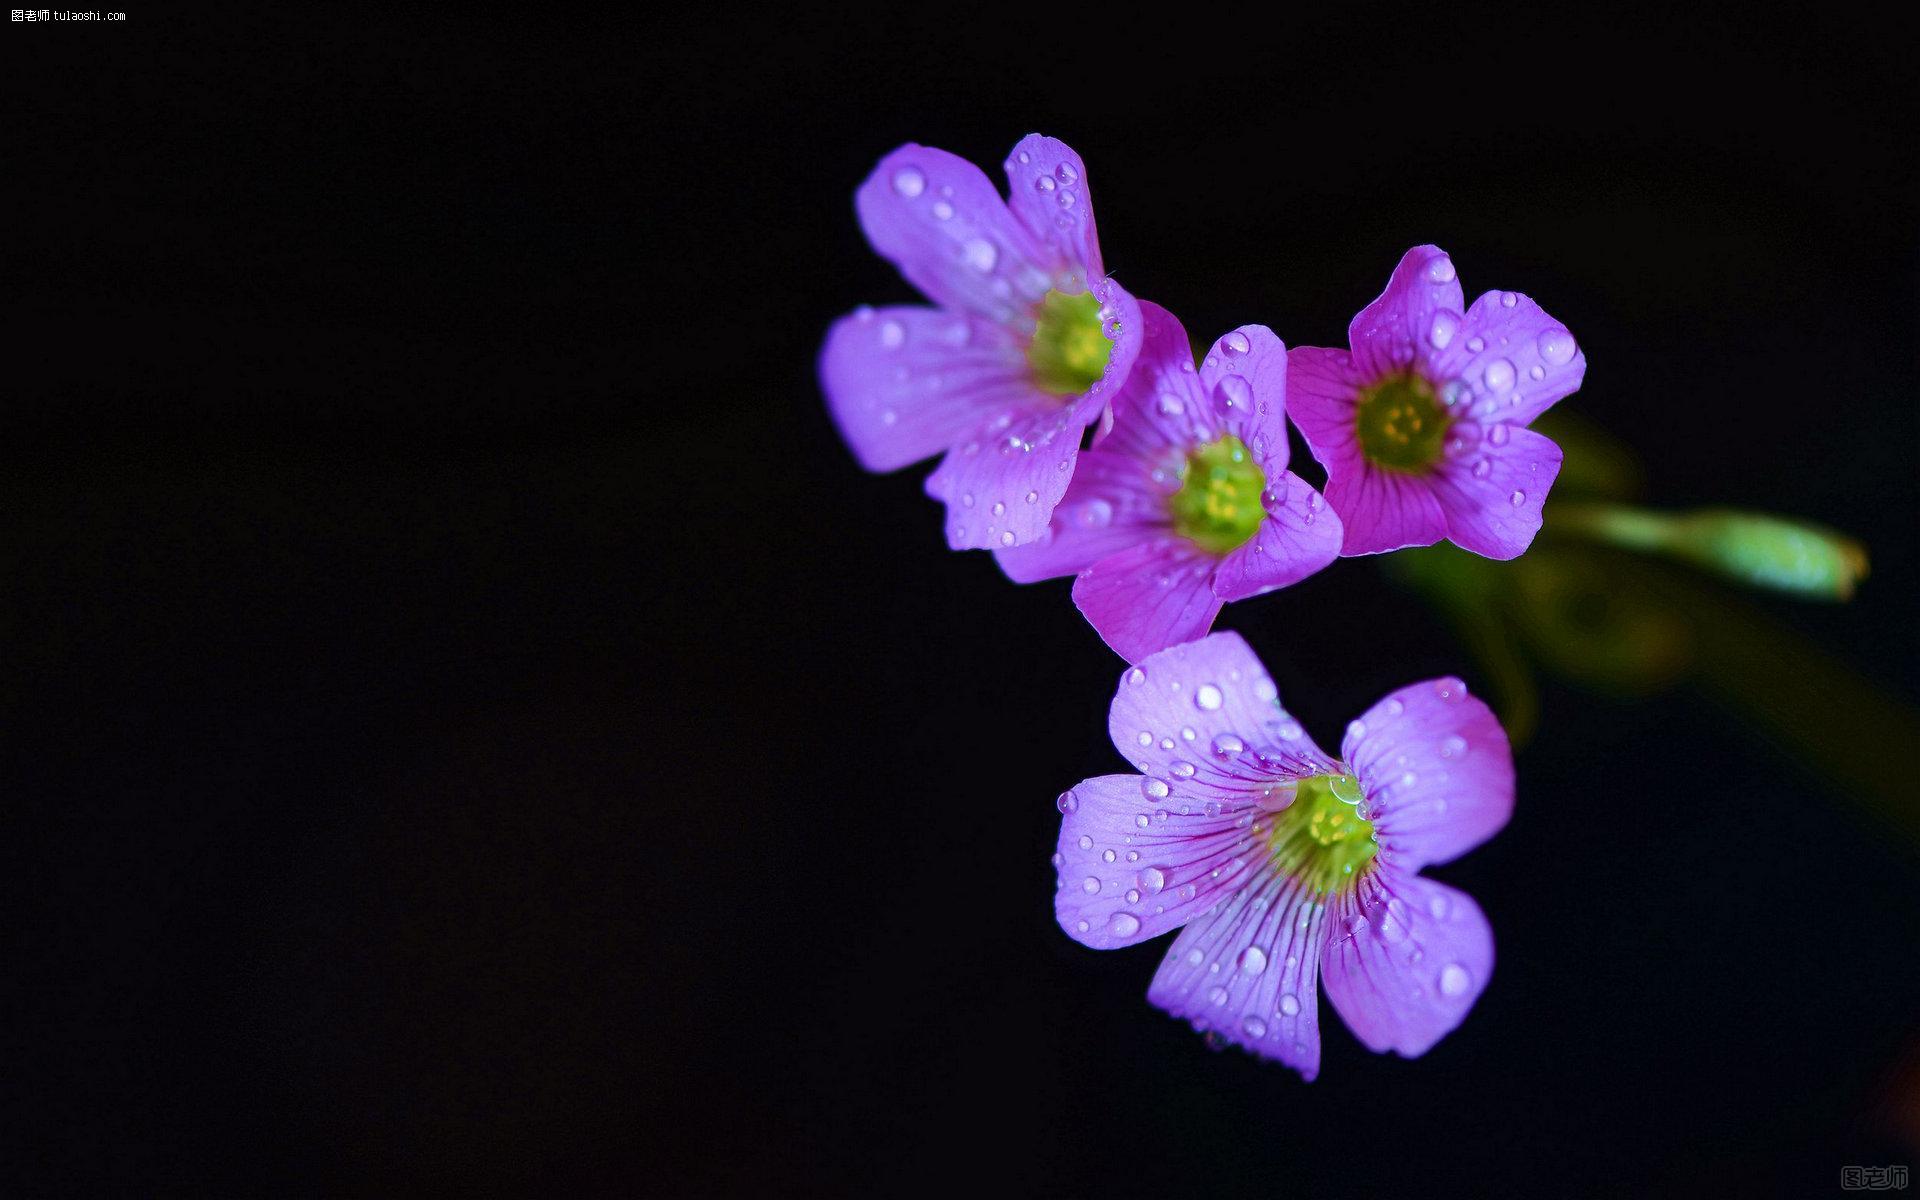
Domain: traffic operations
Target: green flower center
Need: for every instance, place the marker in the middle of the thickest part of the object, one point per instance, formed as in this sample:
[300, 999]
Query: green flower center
[1321, 839]
[1218, 505]
[1069, 350]
[1402, 426]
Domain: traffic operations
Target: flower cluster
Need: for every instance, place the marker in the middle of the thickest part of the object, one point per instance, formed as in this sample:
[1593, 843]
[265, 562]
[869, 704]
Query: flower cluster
[1080, 437]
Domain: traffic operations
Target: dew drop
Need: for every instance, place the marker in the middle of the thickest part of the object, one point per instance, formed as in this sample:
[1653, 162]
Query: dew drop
[1253, 960]
[1498, 376]
[1445, 325]
[1453, 746]
[1236, 343]
[1440, 270]
[1254, 1027]
[1090, 885]
[1517, 499]
[1454, 980]
[981, 255]
[1289, 1004]
[1156, 788]
[909, 182]
[1068, 802]
[1154, 880]
[1557, 346]
[1124, 924]
[1207, 697]
[1227, 745]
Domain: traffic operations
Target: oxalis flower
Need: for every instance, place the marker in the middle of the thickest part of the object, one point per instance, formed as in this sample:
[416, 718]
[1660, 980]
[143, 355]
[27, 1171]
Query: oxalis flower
[1186, 502]
[1422, 425]
[1282, 867]
[1028, 342]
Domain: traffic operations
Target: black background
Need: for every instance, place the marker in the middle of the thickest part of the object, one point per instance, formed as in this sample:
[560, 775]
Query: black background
[470, 726]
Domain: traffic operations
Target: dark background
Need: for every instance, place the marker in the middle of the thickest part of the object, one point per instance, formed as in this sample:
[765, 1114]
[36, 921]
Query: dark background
[469, 725]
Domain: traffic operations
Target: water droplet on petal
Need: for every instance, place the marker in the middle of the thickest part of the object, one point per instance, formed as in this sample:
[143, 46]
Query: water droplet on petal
[1067, 802]
[1440, 270]
[1253, 960]
[909, 182]
[1517, 499]
[1234, 394]
[1254, 1027]
[1207, 697]
[1498, 376]
[1227, 745]
[1453, 746]
[1156, 788]
[1289, 1004]
[1445, 325]
[1090, 885]
[1454, 980]
[1557, 346]
[1236, 343]
[1124, 924]
[1153, 879]
[981, 255]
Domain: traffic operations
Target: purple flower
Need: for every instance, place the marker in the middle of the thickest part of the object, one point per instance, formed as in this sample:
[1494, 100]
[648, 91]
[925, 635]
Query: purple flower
[1422, 426]
[1027, 343]
[1285, 866]
[1186, 502]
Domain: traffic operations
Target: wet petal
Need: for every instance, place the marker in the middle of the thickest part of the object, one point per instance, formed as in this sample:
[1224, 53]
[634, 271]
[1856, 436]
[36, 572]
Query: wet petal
[1492, 491]
[1133, 864]
[904, 384]
[1048, 193]
[1436, 769]
[1148, 597]
[1245, 972]
[940, 220]
[1301, 535]
[1205, 719]
[1421, 307]
[1516, 360]
[1405, 960]
[1110, 505]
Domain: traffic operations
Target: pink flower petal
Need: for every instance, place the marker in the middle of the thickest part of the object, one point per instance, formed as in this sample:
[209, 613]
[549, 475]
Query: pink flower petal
[1245, 972]
[1436, 769]
[906, 383]
[1164, 410]
[1204, 720]
[1379, 510]
[1384, 510]
[1517, 360]
[1110, 505]
[1301, 535]
[1048, 193]
[1405, 960]
[1148, 597]
[1245, 376]
[1399, 329]
[1000, 486]
[1133, 865]
[1492, 491]
[940, 220]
